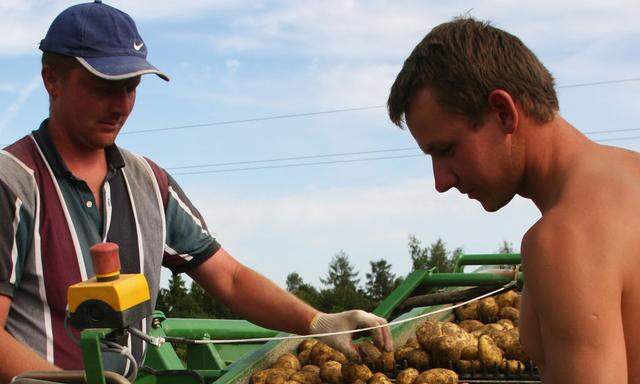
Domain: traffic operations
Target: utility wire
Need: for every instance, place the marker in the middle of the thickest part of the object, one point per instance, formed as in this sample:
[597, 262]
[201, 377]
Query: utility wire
[341, 110]
[295, 165]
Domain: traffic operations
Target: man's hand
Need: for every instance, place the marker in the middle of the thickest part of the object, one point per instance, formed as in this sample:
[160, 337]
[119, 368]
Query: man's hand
[349, 320]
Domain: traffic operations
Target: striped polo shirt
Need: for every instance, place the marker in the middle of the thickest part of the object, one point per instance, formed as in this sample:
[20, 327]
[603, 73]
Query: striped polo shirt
[49, 220]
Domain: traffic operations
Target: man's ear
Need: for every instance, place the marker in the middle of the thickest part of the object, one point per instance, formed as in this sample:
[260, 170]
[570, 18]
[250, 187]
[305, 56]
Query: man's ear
[504, 107]
[51, 81]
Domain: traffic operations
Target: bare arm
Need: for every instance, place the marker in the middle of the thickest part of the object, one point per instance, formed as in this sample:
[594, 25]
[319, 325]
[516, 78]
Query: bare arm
[16, 358]
[575, 289]
[251, 295]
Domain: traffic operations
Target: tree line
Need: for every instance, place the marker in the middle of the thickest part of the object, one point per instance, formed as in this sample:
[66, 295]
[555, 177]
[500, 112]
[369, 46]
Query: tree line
[342, 288]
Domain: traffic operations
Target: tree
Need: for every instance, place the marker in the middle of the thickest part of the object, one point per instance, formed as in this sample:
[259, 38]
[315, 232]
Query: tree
[380, 282]
[436, 255]
[341, 273]
[506, 247]
[176, 299]
[208, 307]
[305, 292]
[419, 254]
[294, 281]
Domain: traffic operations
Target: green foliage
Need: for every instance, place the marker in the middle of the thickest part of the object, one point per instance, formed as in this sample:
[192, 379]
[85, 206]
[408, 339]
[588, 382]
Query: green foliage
[436, 255]
[380, 282]
[342, 273]
[506, 247]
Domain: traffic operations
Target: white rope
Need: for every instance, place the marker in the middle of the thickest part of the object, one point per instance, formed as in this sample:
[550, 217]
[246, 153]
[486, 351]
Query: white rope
[158, 341]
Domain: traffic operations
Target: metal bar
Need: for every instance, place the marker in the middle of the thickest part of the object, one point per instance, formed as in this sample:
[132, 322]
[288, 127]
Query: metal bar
[487, 259]
[214, 329]
[204, 356]
[413, 281]
[92, 355]
[163, 357]
[468, 279]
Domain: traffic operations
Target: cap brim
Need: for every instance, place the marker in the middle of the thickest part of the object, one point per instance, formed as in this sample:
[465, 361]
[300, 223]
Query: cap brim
[119, 67]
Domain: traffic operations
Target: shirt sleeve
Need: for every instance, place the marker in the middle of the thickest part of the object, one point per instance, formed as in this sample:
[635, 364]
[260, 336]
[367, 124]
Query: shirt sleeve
[188, 242]
[14, 239]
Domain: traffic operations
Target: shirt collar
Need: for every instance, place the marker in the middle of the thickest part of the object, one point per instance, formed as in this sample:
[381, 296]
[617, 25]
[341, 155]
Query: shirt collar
[115, 161]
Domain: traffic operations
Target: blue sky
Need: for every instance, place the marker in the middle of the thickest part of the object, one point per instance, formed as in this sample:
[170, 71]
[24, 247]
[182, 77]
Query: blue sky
[236, 60]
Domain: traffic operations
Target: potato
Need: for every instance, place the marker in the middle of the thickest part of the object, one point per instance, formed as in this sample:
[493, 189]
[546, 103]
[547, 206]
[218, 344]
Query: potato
[379, 378]
[306, 344]
[467, 312]
[509, 313]
[488, 352]
[402, 353]
[339, 357]
[352, 372]
[488, 309]
[418, 359]
[303, 357]
[427, 333]
[516, 302]
[311, 368]
[287, 360]
[306, 377]
[369, 353]
[506, 324]
[446, 351]
[271, 375]
[331, 372]
[320, 354]
[506, 299]
[469, 349]
[407, 376]
[291, 382]
[437, 376]
[385, 363]
[512, 366]
[469, 366]
[510, 345]
[412, 342]
[470, 325]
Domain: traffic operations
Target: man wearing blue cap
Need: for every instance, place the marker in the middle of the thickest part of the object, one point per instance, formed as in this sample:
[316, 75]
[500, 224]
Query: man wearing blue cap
[67, 186]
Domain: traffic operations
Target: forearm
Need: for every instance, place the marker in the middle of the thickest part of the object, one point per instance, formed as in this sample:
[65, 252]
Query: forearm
[18, 358]
[261, 301]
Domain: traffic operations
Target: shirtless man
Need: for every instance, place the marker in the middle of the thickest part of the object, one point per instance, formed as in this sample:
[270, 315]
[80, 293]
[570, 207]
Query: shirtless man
[482, 105]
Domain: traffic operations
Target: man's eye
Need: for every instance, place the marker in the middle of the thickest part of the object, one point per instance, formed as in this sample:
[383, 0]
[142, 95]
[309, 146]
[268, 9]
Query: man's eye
[450, 150]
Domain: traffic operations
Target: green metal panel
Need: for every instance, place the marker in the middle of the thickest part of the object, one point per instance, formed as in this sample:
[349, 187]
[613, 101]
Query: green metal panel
[232, 352]
[204, 356]
[487, 259]
[215, 329]
[92, 355]
[413, 281]
[467, 279]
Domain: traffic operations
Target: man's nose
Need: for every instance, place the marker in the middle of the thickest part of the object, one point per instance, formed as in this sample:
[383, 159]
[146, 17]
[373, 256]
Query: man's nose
[445, 179]
[121, 101]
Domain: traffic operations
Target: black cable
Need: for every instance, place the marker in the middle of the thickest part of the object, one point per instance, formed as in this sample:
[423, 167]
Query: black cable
[295, 165]
[340, 110]
[295, 158]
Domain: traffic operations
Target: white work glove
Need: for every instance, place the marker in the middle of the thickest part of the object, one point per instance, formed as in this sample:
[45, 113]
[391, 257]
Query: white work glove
[349, 320]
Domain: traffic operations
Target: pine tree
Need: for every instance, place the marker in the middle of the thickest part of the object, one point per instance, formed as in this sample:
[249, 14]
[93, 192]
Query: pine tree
[341, 273]
[177, 301]
[506, 247]
[294, 281]
[436, 255]
[380, 282]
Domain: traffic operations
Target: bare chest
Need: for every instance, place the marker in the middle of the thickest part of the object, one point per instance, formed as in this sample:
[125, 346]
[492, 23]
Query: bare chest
[530, 336]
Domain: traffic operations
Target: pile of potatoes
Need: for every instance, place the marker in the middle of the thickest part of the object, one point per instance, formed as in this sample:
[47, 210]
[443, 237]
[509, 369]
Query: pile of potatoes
[485, 335]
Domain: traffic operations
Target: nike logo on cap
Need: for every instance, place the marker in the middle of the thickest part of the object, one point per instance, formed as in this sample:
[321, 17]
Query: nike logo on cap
[136, 46]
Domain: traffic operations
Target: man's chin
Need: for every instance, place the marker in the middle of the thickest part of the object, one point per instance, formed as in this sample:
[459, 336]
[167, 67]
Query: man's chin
[494, 205]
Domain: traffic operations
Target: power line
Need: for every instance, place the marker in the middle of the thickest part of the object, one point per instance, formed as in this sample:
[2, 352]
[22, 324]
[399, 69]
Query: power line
[324, 162]
[295, 158]
[296, 165]
[333, 111]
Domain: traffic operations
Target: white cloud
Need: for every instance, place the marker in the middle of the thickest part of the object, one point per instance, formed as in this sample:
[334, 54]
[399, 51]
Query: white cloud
[23, 96]
[301, 231]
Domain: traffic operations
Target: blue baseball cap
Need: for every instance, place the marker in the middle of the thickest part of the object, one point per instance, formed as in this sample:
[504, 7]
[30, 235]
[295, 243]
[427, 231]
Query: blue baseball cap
[103, 39]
